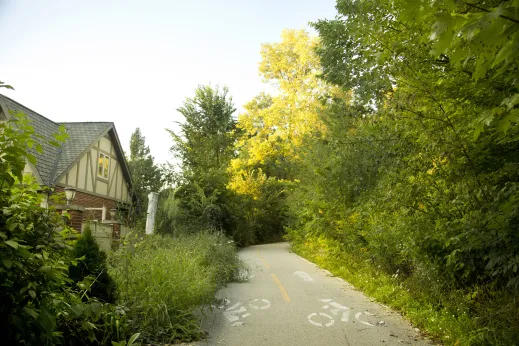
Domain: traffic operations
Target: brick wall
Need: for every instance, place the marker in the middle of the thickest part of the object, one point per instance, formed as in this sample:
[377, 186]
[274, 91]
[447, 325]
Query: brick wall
[76, 218]
[88, 201]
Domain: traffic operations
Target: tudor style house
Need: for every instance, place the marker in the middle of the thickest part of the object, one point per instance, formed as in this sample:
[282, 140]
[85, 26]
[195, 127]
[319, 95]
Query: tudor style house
[91, 163]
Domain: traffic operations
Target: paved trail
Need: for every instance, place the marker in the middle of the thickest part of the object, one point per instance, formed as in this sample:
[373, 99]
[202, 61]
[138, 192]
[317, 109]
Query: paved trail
[289, 301]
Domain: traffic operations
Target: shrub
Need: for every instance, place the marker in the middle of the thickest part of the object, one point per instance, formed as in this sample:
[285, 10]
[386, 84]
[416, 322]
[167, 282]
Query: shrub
[93, 264]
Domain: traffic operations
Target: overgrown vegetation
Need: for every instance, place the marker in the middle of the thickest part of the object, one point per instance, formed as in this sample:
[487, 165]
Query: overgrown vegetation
[39, 303]
[164, 279]
[406, 183]
[391, 148]
[57, 291]
[388, 154]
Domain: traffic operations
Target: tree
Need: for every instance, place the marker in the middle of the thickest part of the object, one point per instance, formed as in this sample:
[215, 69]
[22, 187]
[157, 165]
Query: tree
[204, 147]
[146, 175]
[207, 135]
[274, 128]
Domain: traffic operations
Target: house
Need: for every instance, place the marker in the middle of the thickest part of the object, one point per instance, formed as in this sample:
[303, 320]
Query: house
[91, 162]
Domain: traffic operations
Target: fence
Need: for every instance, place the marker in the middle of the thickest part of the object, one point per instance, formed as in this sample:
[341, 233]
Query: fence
[107, 235]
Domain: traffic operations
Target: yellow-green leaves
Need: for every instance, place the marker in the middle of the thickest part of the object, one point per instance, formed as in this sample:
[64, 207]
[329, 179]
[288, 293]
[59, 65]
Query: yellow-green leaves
[274, 126]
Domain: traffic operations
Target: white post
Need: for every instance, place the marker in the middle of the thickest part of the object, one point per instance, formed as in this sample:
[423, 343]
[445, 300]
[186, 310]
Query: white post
[153, 198]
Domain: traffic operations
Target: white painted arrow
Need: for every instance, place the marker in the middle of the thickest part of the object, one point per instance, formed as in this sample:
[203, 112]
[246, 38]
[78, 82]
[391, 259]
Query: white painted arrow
[304, 276]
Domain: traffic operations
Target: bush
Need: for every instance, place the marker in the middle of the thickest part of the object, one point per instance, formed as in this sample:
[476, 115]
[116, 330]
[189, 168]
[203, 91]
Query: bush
[164, 279]
[93, 264]
[38, 303]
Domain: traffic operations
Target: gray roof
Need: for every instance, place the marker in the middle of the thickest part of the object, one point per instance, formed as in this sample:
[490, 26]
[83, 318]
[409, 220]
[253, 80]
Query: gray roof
[47, 159]
[52, 162]
[81, 136]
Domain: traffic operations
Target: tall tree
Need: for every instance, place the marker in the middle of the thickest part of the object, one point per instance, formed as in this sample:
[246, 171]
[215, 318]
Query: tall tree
[206, 137]
[146, 175]
[204, 147]
[274, 126]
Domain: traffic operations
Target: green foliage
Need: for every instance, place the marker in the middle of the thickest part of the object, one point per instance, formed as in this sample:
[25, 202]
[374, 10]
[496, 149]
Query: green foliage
[416, 183]
[204, 147]
[163, 280]
[7, 86]
[146, 175]
[92, 264]
[38, 303]
[206, 135]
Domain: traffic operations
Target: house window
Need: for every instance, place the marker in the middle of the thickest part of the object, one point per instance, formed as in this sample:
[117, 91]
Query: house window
[102, 166]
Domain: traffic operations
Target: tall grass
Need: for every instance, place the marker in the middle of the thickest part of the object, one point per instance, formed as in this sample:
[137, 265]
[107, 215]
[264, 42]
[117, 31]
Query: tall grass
[163, 280]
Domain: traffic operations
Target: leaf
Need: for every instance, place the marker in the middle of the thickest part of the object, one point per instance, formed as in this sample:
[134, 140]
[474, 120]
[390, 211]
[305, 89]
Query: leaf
[133, 338]
[3, 85]
[30, 158]
[47, 320]
[480, 68]
[7, 263]
[96, 309]
[55, 143]
[507, 50]
[32, 294]
[31, 312]
[12, 244]
[477, 131]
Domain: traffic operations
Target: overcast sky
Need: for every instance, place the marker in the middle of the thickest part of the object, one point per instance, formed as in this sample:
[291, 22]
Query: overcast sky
[134, 62]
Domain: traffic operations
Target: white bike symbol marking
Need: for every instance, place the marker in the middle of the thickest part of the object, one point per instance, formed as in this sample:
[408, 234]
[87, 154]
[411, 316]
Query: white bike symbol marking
[238, 311]
[336, 309]
[329, 324]
[233, 313]
[266, 306]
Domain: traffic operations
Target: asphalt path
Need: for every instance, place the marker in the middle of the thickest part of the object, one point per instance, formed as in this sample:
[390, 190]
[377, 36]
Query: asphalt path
[290, 301]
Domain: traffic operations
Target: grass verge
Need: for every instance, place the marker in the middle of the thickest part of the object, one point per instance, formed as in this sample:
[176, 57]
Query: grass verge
[163, 280]
[478, 315]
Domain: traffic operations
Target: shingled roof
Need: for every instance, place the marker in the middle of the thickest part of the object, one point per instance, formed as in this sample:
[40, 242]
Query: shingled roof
[81, 136]
[53, 162]
[47, 159]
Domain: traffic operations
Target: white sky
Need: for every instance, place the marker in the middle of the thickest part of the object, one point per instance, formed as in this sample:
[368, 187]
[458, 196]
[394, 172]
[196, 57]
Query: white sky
[134, 62]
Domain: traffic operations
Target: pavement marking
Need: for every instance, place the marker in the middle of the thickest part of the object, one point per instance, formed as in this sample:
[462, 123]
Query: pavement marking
[265, 263]
[345, 316]
[232, 315]
[304, 276]
[281, 288]
[234, 306]
[329, 324]
[337, 309]
[357, 315]
[266, 306]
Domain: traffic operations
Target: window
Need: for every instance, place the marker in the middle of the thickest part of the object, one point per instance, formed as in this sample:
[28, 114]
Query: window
[102, 166]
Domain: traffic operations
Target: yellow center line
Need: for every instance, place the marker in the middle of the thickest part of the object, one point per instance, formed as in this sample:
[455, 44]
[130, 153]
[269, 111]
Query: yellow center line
[265, 263]
[281, 288]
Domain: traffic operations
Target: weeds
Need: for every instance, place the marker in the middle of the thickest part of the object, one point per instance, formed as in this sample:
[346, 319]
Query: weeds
[163, 280]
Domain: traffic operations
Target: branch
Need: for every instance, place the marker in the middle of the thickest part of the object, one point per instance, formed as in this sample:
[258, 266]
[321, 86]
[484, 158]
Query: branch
[488, 11]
